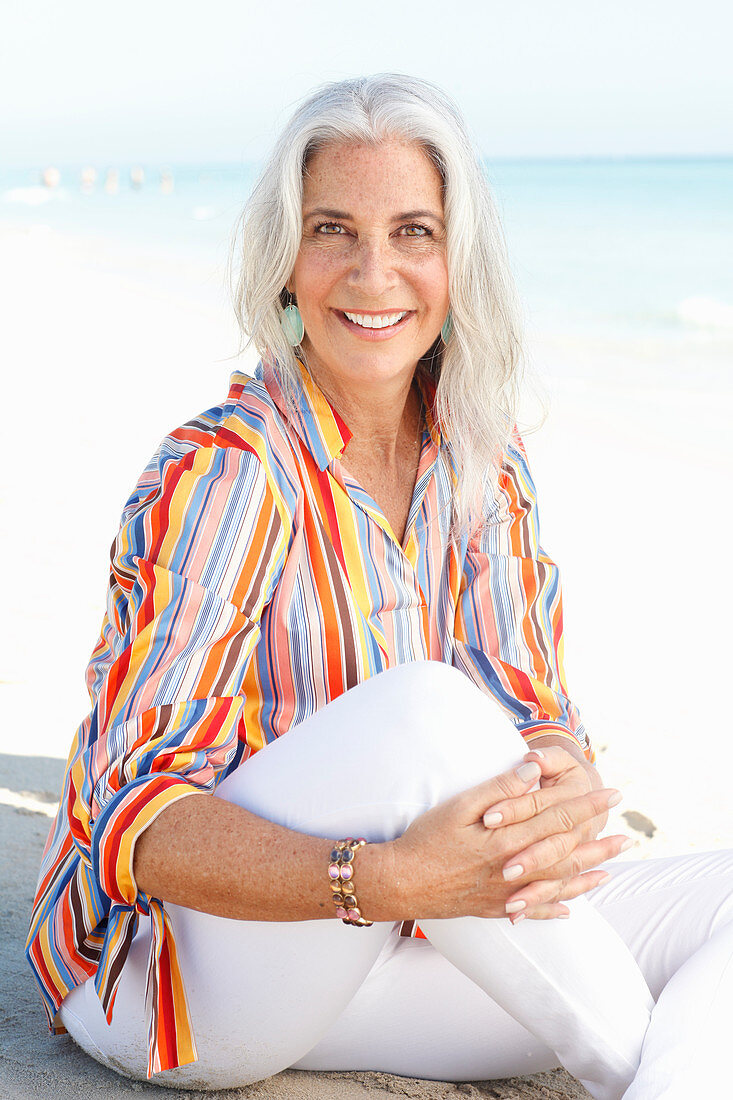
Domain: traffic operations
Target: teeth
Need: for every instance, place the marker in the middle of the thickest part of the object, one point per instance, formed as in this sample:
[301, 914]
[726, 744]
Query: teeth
[368, 321]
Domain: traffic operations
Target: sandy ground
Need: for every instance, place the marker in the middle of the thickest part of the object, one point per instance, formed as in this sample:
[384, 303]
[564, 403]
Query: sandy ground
[105, 349]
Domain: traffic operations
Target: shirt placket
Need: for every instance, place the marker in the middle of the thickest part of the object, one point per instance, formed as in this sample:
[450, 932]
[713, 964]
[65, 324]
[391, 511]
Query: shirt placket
[409, 550]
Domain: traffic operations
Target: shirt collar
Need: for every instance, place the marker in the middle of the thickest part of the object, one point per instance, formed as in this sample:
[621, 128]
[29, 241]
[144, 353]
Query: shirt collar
[316, 421]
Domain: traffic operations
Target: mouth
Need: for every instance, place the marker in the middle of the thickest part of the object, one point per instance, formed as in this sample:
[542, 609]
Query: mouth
[374, 325]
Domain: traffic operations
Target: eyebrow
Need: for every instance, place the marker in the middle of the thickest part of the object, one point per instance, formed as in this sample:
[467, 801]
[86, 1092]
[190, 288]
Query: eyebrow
[341, 215]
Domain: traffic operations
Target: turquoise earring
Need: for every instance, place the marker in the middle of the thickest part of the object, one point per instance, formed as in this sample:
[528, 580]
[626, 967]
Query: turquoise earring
[291, 323]
[447, 330]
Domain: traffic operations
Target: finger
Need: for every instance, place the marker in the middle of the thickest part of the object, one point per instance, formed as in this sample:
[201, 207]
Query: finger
[562, 856]
[514, 810]
[560, 825]
[553, 890]
[568, 813]
[553, 760]
[546, 911]
[535, 895]
[508, 785]
[582, 884]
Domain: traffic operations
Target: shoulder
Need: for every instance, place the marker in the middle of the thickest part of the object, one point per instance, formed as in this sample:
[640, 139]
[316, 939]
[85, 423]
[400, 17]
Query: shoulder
[509, 521]
[246, 431]
[515, 484]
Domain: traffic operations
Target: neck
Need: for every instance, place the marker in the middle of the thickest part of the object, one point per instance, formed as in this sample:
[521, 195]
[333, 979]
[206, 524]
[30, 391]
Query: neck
[382, 417]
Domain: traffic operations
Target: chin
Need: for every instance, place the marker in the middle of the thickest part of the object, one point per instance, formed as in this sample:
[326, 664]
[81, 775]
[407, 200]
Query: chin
[362, 364]
[371, 367]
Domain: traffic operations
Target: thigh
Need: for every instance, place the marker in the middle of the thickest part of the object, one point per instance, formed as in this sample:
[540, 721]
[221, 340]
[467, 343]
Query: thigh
[667, 909]
[418, 1016]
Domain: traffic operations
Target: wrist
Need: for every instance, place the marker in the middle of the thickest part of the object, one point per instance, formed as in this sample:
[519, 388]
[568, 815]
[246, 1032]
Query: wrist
[378, 882]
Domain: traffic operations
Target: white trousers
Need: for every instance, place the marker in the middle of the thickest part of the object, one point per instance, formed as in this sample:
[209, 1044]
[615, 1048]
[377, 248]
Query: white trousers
[483, 998]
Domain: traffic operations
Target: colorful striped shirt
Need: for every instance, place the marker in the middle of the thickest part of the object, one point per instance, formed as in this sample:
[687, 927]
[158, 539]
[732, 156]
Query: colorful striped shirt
[252, 581]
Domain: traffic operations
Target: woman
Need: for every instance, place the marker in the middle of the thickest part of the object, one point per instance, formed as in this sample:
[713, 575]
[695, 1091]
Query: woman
[330, 618]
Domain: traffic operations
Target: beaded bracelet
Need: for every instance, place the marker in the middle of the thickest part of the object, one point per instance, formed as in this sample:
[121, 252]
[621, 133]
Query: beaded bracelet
[341, 878]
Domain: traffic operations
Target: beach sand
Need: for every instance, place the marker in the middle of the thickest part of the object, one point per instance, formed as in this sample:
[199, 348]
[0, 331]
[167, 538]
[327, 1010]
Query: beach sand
[106, 348]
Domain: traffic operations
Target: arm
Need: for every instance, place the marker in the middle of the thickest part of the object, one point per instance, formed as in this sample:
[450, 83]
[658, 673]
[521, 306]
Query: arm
[196, 560]
[509, 619]
[509, 641]
[210, 855]
[186, 595]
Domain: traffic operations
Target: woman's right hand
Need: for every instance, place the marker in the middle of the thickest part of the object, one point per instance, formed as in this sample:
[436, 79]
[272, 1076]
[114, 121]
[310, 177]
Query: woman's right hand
[449, 864]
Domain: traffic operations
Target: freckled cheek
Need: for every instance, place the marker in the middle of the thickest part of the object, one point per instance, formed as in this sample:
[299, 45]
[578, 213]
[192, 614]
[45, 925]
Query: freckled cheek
[433, 287]
[315, 282]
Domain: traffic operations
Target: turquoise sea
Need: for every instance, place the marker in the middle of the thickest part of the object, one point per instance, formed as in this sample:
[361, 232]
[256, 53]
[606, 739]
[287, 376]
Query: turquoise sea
[599, 246]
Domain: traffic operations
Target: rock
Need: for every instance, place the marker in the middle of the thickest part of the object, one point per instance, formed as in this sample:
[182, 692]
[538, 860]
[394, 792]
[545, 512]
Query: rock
[639, 822]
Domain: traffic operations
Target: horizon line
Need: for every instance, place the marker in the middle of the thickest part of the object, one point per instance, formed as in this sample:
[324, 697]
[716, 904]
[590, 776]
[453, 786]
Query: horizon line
[234, 162]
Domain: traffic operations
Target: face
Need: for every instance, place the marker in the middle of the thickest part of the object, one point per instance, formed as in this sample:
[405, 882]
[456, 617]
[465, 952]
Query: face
[371, 279]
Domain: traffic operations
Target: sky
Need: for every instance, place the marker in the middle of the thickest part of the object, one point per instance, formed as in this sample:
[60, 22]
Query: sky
[180, 81]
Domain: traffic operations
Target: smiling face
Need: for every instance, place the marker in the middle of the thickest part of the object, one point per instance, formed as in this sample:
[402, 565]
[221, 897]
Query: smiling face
[371, 278]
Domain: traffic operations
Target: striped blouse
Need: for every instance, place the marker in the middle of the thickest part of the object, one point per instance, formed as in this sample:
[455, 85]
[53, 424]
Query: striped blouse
[252, 581]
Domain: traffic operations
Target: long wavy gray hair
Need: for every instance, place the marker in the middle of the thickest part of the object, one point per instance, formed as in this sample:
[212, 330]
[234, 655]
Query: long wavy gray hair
[477, 372]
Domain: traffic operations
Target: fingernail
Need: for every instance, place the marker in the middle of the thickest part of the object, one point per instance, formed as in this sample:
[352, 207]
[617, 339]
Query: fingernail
[529, 771]
[515, 871]
[604, 878]
[628, 843]
[494, 818]
[515, 906]
[615, 798]
[563, 916]
[516, 920]
[538, 752]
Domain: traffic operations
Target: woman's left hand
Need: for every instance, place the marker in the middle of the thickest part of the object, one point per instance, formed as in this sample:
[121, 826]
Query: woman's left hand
[551, 868]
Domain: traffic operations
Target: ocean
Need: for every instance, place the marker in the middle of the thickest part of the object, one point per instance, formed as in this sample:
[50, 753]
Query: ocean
[600, 247]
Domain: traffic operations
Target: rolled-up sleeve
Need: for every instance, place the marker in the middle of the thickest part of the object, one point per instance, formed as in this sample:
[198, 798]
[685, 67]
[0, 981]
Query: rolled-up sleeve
[509, 620]
[195, 562]
[192, 569]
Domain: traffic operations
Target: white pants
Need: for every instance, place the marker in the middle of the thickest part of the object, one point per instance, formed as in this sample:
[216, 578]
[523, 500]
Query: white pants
[482, 999]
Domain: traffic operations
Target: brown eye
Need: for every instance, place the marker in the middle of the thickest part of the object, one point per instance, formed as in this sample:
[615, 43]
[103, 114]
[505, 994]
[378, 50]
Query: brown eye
[417, 231]
[330, 229]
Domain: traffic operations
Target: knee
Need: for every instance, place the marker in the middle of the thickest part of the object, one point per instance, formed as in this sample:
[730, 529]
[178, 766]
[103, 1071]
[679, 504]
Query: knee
[438, 714]
[428, 690]
[416, 733]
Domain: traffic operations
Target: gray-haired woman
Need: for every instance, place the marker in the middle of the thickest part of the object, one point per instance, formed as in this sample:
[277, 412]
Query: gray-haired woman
[332, 635]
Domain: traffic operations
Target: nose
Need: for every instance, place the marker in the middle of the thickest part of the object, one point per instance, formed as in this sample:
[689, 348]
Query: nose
[373, 270]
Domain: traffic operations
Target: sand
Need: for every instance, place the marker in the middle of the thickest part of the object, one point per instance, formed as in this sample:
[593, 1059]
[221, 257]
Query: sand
[106, 348]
